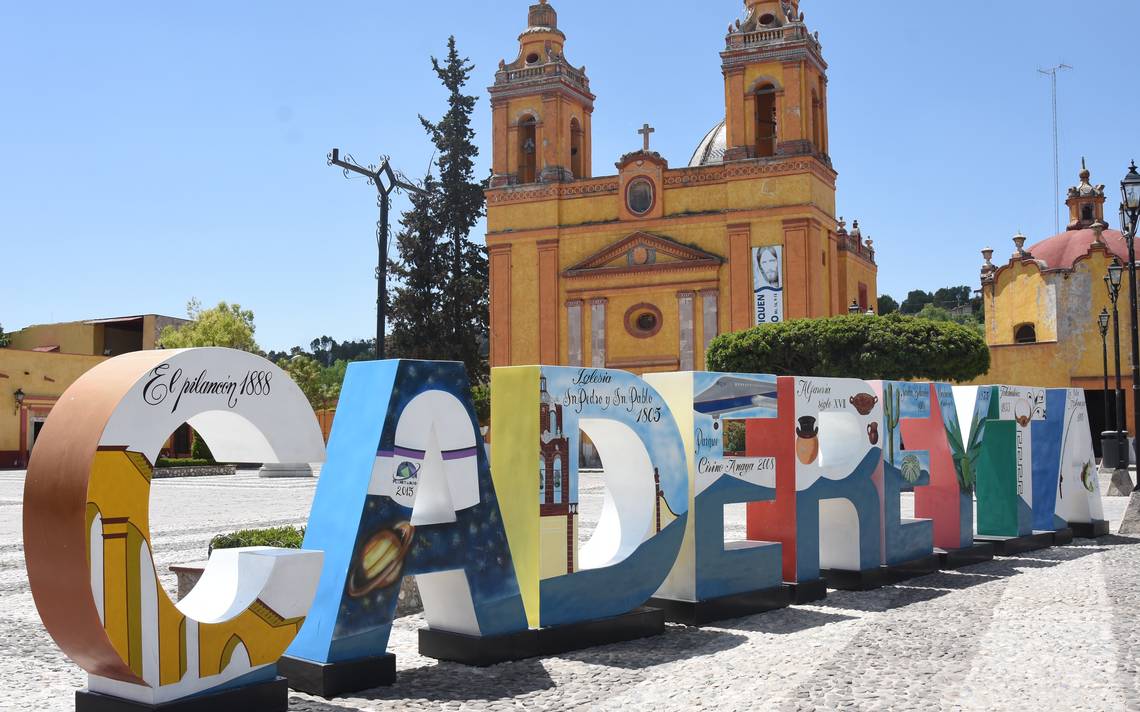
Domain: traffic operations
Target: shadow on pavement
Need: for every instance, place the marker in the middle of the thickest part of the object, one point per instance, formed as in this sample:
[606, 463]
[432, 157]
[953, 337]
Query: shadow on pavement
[678, 643]
[882, 599]
[783, 622]
[954, 581]
[451, 682]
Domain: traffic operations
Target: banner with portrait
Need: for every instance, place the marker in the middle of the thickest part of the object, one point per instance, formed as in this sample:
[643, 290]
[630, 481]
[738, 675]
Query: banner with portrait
[768, 283]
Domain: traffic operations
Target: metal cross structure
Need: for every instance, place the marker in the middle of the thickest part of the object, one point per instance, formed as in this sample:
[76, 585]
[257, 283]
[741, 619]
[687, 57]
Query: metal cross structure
[387, 181]
[1052, 74]
[645, 132]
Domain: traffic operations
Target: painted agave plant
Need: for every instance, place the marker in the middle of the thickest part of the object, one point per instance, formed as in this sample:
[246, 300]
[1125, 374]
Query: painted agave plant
[965, 457]
[911, 468]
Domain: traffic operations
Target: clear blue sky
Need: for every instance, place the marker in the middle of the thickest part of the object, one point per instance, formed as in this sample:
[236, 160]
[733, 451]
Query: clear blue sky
[152, 151]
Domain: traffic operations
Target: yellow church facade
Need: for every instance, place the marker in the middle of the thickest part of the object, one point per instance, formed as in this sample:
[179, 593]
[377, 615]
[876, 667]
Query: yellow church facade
[641, 269]
[1041, 307]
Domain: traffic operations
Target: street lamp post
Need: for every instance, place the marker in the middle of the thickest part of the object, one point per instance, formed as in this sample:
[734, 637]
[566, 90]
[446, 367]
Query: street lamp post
[1129, 217]
[1102, 322]
[387, 181]
[1112, 282]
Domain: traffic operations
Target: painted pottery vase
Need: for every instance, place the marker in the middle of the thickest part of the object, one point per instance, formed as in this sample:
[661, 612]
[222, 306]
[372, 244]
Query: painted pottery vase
[807, 440]
[864, 402]
[1022, 412]
[873, 433]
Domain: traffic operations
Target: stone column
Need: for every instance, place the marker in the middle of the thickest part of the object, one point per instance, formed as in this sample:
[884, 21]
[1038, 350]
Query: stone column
[499, 263]
[685, 311]
[598, 332]
[742, 304]
[574, 332]
[549, 352]
[709, 325]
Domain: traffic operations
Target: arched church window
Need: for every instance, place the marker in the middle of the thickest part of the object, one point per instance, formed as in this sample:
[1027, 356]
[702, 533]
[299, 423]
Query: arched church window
[576, 149]
[528, 150]
[541, 476]
[553, 422]
[558, 472]
[766, 121]
[1025, 334]
[1087, 213]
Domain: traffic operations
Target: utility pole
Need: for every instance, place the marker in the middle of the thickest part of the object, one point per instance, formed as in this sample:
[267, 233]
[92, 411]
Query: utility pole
[387, 181]
[1052, 74]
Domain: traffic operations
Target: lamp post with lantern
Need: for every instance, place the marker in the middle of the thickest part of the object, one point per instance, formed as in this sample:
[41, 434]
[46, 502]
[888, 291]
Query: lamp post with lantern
[1129, 217]
[1112, 282]
[1102, 322]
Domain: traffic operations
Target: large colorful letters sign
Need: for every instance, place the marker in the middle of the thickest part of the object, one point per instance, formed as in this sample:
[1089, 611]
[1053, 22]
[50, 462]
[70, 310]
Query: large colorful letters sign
[406, 491]
[86, 502]
[537, 417]
[1000, 423]
[906, 465]
[1065, 484]
[409, 490]
[827, 508]
[706, 566]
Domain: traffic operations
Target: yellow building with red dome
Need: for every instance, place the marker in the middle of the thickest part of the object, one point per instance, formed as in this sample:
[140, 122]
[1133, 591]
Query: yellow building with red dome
[1042, 306]
[639, 270]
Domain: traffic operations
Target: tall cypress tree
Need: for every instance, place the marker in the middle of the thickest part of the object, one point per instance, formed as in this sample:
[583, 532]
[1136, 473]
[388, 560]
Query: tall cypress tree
[460, 205]
[417, 324]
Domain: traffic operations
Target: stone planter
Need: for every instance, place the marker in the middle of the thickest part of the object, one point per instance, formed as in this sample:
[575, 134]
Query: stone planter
[409, 601]
[162, 473]
[285, 469]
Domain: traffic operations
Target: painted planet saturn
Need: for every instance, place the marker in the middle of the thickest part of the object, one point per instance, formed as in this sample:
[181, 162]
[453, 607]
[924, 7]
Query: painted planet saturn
[381, 560]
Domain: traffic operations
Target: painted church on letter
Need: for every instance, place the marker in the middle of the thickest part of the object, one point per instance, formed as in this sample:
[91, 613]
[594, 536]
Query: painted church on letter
[642, 269]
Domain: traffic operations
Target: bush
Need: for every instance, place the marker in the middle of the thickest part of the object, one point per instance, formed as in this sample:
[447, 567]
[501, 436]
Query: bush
[481, 395]
[891, 348]
[182, 462]
[281, 537]
[201, 451]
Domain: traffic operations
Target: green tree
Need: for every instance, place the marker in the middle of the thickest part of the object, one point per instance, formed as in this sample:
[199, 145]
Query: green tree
[887, 305]
[418, 329]
[5, 338]
[915, 300]
[893, 347]
[225, 325]
[929, 311]
[306, 373]
[331, 379]
[459, 207]
[951, 297]
[200, 450]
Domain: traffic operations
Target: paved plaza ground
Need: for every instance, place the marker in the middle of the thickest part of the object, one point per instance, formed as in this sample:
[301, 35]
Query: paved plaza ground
[1051, 630]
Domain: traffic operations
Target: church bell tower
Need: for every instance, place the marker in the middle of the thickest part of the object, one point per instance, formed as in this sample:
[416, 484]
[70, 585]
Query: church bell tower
[542, 108]
[775, 84]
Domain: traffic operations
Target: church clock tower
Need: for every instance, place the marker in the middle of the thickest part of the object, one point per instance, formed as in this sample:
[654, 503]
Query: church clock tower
[775, 83]
[541, 107]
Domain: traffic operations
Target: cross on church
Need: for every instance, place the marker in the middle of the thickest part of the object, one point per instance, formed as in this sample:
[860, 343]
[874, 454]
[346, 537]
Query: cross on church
[645, 131]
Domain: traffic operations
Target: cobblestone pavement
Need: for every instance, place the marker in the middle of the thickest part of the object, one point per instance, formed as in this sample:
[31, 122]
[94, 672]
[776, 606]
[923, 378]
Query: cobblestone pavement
[1051, 630]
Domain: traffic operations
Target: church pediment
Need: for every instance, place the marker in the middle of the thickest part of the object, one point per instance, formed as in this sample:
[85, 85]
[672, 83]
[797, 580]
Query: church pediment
[643, 251]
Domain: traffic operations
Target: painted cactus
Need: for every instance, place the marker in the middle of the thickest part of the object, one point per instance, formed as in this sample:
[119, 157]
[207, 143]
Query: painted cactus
[892, 408]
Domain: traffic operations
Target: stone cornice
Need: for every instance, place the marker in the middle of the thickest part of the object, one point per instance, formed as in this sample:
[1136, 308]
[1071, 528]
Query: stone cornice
[673, 178]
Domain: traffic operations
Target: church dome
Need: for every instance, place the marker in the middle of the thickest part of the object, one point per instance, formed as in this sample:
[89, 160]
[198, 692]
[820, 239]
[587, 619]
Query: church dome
[712, 147]
[1061, 251]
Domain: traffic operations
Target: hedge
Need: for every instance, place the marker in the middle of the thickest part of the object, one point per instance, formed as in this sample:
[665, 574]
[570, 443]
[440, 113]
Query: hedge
[183, 462]
[891, 348]
[281, 537]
